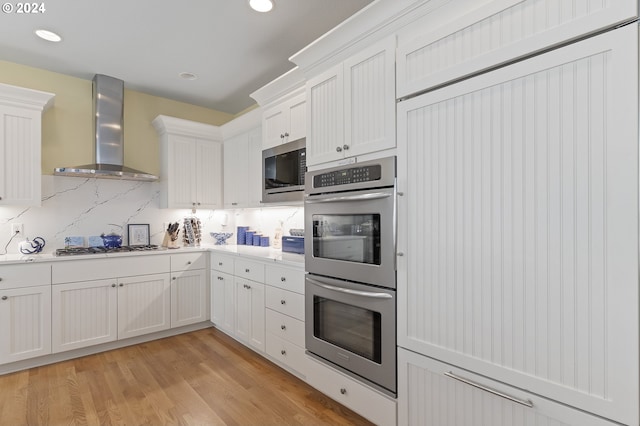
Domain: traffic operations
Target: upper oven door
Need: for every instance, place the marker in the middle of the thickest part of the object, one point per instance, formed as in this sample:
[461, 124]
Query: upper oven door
[352, 236]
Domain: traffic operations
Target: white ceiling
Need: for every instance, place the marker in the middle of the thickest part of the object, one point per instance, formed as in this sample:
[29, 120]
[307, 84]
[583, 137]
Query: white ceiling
[147, 43]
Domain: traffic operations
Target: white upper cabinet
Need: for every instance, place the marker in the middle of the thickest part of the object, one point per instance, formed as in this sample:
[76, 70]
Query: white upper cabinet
[243, 161]
[20, 144]
[494, 33]
[286, 121]
[519, 225]
[351, 107]
[191, 163]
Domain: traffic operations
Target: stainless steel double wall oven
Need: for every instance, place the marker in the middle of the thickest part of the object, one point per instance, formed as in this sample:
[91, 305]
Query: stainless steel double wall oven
[350, 257]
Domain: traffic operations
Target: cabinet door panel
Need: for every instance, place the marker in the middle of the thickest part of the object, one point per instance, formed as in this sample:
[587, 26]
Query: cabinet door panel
[20, 156]
[84, 314]
[274, 122]
[325, 117]
[369, 85]
[188, 298]
[236, 177]
[208, 178]
[223, 301]
[297, 118]
[25, 323]
[143, 305]
[520, 225]
[182, 182]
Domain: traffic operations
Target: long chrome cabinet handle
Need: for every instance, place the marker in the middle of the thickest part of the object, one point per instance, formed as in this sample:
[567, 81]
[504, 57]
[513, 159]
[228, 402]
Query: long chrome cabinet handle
[360, 197]
[353, 292]
[525, 402]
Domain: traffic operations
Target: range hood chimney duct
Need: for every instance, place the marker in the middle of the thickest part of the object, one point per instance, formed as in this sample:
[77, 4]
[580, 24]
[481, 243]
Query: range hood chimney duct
[108, 111]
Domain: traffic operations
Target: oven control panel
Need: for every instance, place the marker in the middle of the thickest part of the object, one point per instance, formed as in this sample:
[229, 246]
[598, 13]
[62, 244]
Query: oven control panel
[348, 176]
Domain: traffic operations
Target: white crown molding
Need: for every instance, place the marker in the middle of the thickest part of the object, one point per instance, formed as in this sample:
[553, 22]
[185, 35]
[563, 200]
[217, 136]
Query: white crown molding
[242, 124]
[284, 85]
[173, 125]
[379, 20]
[25, 98]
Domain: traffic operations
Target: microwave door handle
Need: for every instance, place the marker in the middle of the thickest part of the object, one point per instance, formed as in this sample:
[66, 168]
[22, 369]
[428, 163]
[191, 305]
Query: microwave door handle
[359, 197]
[353, 292]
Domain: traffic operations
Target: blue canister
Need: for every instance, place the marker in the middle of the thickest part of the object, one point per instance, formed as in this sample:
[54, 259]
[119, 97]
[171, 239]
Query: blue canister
[241, 235]
[256, 239]
[249, 238]
[264, 241]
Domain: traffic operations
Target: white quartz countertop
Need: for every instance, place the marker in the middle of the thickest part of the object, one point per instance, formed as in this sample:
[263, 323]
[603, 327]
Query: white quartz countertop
[260, 253]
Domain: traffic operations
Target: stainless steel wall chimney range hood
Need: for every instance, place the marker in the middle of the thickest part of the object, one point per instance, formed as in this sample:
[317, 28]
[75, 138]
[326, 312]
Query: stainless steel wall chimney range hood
[108, 106]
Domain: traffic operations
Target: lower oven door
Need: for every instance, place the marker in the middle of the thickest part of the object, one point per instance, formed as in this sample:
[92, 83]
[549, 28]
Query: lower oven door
[354, 327]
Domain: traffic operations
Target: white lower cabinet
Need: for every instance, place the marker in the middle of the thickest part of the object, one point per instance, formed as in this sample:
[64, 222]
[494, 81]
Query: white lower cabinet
[93, 312]
[378, 408]
[223, 301]
[25, 318]
[250, 312]
[432, 393]
[189, 289]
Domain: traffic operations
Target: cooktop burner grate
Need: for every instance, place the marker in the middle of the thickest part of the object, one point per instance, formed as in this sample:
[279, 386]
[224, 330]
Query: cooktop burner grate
[75, 251]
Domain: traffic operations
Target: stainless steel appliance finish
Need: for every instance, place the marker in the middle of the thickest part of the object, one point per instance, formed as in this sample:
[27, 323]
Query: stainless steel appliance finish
[353, 326]
[350, 221]
[108, 97]
[79, 251]
[283, 172]
[350, 250]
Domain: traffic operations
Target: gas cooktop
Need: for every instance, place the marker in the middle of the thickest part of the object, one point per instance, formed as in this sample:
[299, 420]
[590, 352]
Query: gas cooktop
[76, 251]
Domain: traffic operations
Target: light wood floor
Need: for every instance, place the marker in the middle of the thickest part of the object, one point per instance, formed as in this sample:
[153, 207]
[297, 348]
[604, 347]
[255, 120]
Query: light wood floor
[198, 378]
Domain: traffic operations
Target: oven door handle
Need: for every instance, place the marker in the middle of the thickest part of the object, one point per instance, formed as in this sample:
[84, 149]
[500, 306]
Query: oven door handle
[359, 197]
[352, 292]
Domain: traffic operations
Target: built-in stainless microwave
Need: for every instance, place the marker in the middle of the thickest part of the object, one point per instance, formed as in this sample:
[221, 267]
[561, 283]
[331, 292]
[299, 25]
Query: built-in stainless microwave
[283, 169]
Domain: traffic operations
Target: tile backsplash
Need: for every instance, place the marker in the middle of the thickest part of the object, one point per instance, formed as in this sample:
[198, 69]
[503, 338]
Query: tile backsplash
[87, 207]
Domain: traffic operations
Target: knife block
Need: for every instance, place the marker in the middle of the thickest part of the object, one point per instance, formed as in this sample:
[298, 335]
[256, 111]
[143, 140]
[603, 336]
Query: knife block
[168, 242]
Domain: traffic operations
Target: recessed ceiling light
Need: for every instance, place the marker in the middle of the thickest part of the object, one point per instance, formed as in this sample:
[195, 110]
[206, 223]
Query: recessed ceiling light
[48, 35]
[188, 75]
[261, 5]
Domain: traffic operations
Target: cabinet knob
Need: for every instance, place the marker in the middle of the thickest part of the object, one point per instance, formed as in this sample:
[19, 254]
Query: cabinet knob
[283, 352]
[338, 149]
[281, 136]
[121, 285]
[0, 198]
[283, 279]
[193, 204]
[189, 263]
[343, 391]
[174, 278]
[247, 270]
[0, 279]
[283, 327]
[400, 254]
[283, 302]
[113, 285]
[234, 204]
[345, 147]
[286, 135]
[248, 287]
[198, 203]
[220, 278]
[4, 297]
[219, 263]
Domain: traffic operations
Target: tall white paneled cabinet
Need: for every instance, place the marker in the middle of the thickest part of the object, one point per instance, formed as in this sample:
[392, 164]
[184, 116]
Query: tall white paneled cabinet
[519, 225]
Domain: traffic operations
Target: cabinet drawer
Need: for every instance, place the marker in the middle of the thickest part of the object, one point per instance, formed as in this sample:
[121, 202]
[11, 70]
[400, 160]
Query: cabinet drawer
[28, 275]
[287, 353]
[286, 278]
[362, 399]
[428, 395]
[253, 271]
[187, 261]
[98, 269]
[285, 302]
[222, 263]
[285, 327]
